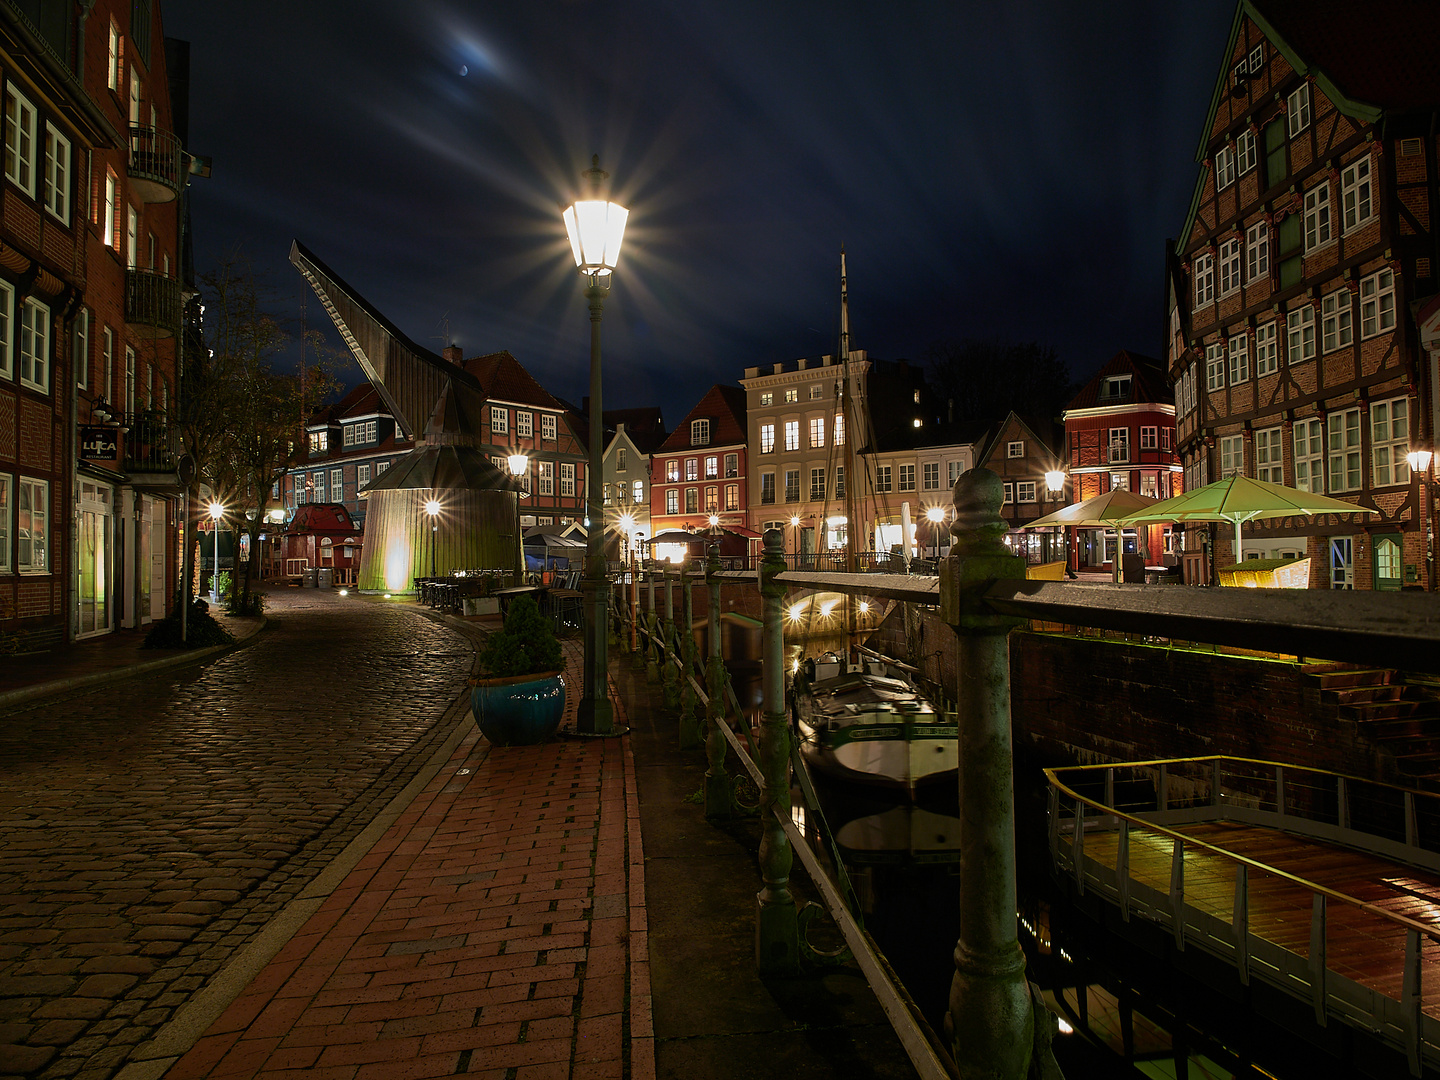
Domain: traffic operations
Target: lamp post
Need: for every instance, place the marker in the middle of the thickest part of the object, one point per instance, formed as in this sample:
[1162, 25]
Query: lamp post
[935, 514]
[795, 537]
[1420, 460]
[596, 227]
[1055, 485]
[519, 466]
[217, 511]
[432, 507]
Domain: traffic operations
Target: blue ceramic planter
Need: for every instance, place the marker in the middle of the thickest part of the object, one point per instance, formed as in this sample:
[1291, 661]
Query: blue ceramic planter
[519, 710]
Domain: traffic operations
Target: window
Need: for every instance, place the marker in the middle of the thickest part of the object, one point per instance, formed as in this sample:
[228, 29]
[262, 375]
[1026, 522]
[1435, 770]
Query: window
[362, 477]
[381, 466]
[767, 438]
[1147, 438]
[792, 395]
[1165, 437]
[567, 478]
[1257, 59]
[19, 141]
[767, 488]
[732, 498]
[1269, 455]
[907, 478]
[882, 478]
[712, 467]
[930, 476]
[953, 469]
[839, 481]
[839, 429]
[712, 500]
[1025, 491]
[337, 485]
[57, 173]
[672, 501]
[1203, 271]
[34, 526]
[1119, 481]
[132, 237]
[767, 399]
[1300, 327]
[692, 468]
[1356, 204]
[1343, 437]
[816, 392]
[348, 435]
[1224, 168]
[817, 485]
[1377, 303]
[672, 470]
[792, 485]
[1317, 216]
[1015, 450]
[637, 491]
[35, 345]
[80, 342]
[699, 432]
[7, 309]
[1257, 252]
[1215, 366]
[792, 434]
[1298, 114]
[1335, 329]
[499, 421]
[525, 425]
[1119, 444]
[1245, 153]
[1267, 349]
[1229, 266]
[1009, 493]
[1232, 455]
[113, 68]
[317, 482]
[1239, 349]
[547, 477]
[1115, 386]
[130, 384]
[319, 440]
[547, 427]
[1149, 485]
[1390, 441]
[817, 431]
[111, 208]
[732, 465]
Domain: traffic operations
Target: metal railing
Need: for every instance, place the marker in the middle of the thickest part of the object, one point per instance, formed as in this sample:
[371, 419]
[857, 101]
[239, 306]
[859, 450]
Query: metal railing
[155, 157]
[152, 300]
[1142, 806]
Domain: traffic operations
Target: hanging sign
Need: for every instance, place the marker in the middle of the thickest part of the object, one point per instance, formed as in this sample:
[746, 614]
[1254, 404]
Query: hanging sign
[99, 444]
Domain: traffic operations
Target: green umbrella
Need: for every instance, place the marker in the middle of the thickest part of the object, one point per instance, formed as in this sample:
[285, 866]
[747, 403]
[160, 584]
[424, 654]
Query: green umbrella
[1239, 499]
[1100, 512]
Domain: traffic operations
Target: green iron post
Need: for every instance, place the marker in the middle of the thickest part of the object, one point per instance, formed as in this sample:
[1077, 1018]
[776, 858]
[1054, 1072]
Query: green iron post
[670, 685]
[652, 663]
[719, 796]
[777, 937]
[689, 723]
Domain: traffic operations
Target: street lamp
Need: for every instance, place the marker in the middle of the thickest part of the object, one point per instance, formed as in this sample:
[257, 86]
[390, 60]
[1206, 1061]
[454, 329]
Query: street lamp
[795, 536]
[935, 515]
[217, 511]
[1055, 484]
[519, 466]
[432, 507]
[596, 227]
[1420, 460]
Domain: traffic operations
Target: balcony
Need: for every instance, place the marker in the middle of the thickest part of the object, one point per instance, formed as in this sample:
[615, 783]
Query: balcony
[792, 494]
[151, 452]
[152, 303]
[155, 164]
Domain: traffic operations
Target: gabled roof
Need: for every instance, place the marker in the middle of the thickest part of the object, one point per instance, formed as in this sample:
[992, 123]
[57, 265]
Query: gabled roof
[724, 407]
[504, 379]
[361, 400]
[1042, 430]
[321, 518]
[1148, 383]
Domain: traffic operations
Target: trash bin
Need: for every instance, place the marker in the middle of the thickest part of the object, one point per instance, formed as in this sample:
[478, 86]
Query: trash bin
[312, 577]
[326, 578]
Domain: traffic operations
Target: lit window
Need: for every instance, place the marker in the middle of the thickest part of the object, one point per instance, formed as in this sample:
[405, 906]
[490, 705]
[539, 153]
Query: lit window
[792, 395]
[816, 392]
[817, 431]
[672, 469]
[732, 497]
[692, 469]
[700, 433]
[767, 398]
[767, 438]
[712, 467]
[792, 434]
[637, 493]
[839, 429]
[33, 526]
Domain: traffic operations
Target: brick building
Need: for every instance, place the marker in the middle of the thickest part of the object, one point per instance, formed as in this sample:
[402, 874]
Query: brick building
[1021, 451]
[346, 445]
[700, 468]
[1292, 344]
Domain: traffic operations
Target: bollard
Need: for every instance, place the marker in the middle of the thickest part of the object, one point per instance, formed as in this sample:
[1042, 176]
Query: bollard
[670, 685]
[719, 795]
[993, 1026]
[652, 661]
[689, 723]
[777, 936]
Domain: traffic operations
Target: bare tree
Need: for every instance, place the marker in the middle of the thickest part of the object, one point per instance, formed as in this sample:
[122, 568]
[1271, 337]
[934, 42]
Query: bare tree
[983, 381]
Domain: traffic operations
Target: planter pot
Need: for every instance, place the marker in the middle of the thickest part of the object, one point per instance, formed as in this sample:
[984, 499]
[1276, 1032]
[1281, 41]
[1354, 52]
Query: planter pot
[519, 710]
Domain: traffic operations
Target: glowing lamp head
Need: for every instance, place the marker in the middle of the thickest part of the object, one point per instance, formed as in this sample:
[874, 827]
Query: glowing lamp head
[432, 507]
[864, 607]
[1419, 460]
[217, 511]
[596, 227]
[627, 522]
[935, 514]
[795, 520]
[518, 464]
[1055, 479]
[714, 520]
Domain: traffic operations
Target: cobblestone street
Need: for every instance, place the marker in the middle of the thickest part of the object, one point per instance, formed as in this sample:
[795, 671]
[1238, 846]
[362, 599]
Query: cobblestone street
[151, 827]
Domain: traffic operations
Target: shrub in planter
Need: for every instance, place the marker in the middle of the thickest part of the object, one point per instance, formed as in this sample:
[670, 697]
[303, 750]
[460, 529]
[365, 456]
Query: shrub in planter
[521, 698]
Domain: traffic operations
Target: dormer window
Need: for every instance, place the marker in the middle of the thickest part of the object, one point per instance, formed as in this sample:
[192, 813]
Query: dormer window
[319, 441]
[700, 433]
[1115, 386]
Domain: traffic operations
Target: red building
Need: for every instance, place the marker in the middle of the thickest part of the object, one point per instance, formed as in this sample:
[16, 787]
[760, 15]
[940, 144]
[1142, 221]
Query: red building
[1120, 433]
[346, 446]
[318, 536]
[698, 472]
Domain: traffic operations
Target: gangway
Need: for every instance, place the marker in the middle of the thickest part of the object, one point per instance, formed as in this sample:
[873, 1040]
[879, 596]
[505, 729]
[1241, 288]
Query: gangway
[1322, 885]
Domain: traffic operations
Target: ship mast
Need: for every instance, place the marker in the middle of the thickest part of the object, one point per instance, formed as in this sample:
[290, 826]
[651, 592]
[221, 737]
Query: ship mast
[846, 410]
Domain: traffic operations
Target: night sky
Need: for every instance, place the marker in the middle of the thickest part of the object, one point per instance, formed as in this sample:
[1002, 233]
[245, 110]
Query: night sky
[1001, 170]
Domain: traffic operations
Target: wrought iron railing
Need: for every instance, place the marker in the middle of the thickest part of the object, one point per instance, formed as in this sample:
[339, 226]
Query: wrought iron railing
[155, 157]
[152, 300]
[150, 444]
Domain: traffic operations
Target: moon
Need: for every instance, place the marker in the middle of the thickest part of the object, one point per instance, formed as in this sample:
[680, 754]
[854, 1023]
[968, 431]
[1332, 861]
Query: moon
[464, 70]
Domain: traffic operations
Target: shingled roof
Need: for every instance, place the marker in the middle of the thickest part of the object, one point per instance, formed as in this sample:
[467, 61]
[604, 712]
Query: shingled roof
[1148, 383]
[504, 379]
[724, 407]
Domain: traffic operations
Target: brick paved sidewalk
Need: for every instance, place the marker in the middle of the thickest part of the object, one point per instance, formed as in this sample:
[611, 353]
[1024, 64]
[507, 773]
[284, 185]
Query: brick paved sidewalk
[497, 928]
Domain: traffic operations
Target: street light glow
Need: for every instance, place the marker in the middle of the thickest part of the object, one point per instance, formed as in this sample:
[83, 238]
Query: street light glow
[432, 507]
[1055, 479]
[935, 514]
[518, 464]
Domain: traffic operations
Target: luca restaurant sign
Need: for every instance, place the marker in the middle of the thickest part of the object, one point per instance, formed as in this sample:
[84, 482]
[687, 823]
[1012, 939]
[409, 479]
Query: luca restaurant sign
[98, 444]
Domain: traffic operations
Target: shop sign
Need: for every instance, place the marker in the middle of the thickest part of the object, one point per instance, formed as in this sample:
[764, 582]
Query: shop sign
[99, 444]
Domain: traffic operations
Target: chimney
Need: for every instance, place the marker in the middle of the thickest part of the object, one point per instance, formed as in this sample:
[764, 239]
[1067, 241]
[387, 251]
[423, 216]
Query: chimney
[453, 354]
[752, 372]
[802, 362]
[779, 368]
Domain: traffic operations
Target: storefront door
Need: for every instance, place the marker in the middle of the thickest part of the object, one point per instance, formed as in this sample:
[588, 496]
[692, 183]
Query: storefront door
[1387, 562]
[92, 560]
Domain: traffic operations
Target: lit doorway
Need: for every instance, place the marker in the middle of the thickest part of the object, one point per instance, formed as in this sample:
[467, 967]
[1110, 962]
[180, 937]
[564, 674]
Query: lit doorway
[92, 560]
[1388, 571]
[1342, 556]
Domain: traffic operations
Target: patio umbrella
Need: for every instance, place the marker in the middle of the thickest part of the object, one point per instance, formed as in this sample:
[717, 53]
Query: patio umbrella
[1239, 499]
[1101, 511]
